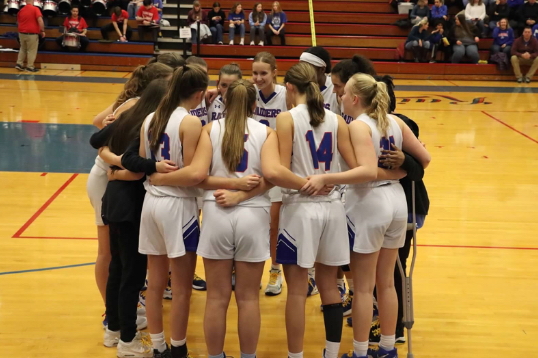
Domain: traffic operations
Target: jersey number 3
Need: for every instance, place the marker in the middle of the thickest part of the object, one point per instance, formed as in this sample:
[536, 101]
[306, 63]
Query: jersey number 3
[325, 151]
[243, 165]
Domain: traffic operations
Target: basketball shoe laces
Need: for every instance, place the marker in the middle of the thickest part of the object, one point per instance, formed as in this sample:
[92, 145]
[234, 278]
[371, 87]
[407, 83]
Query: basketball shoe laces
[272, 278]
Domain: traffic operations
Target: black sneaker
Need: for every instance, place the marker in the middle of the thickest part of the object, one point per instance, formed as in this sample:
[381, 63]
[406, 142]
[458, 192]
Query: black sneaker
[375, 333]
[527, 80]
[166, 354]
[32, 70]
[400, 337]
[19, 67]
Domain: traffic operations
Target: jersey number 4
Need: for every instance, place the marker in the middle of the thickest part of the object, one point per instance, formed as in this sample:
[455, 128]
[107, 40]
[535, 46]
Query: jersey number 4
[165, 150]
[325, 151]
[243, 165]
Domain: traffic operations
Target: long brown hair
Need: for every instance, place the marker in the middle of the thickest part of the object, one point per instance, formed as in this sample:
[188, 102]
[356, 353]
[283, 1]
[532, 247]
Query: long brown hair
[268, 58]
[140, 78]
[186, 81]
[303, 76]
[240, 98]
[257, 15]
[234, 7]
[374, 98]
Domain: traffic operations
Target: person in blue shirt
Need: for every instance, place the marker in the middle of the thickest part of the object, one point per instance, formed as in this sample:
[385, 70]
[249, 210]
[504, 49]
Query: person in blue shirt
[257, 20]
[535, 31]
[237, 21]
[417, 40]
[439, 13]
[503, 38]
[277, 22]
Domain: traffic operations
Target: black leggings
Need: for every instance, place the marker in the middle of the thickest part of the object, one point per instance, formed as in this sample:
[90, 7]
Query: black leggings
[126, 277]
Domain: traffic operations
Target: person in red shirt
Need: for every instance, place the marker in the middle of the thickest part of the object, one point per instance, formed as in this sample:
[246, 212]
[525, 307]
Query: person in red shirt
[31, 26]
[148, 21]
[77, 25]
[120, 18]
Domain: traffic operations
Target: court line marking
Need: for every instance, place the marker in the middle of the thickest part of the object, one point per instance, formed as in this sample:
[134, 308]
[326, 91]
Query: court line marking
[44, 206]
[47, 268]
[509, 126]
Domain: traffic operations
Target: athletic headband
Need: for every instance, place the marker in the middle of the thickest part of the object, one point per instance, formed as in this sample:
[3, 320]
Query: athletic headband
[312, 59]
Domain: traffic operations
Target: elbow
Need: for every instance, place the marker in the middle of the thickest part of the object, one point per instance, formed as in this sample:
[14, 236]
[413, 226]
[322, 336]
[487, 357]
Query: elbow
[427, 161]
[197, 177]
[139, 176]
[372, 173]
[271, 175]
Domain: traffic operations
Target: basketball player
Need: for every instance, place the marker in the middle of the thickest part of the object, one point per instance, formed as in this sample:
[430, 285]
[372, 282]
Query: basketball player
[377, 211]
[169, 229]
[227, 75]
[97, 180]
[312, 229]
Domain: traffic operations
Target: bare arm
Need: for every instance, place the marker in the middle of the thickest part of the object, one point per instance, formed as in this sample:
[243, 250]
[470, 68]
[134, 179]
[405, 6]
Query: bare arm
[41, 24]
[125, 23]
[115, 24]
[109, 157]
[345, 148]
[124, 175]
[98, 119]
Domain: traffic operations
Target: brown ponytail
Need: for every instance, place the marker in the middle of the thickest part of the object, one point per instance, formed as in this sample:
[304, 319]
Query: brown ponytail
[303, 76]
[186, 81]
[374, 97]
[240, 98]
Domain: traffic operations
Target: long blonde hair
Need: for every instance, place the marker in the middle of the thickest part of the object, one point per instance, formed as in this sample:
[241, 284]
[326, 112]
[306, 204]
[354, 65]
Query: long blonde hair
[240, 99]
[303, 76]
[374, 98]
[186, 81]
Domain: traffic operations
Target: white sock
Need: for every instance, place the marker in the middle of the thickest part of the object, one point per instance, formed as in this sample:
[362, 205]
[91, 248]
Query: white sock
[350, 284]
[178, 343]
[275, 267]
[340, 282]
[295, 355]
[387, 342]
[360, 348]
[217, 356]
[158, 341]
[312, 272]
[244, 355]
[331, 349]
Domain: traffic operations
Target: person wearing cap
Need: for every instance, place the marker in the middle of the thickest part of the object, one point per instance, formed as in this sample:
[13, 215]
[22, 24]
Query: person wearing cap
[31, 26]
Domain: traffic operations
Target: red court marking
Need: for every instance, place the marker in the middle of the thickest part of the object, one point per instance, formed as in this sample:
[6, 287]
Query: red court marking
[80, 74]
[28, 121]
[57, 238]
[126, 75]
[43, 174]
[482, 247]
[44, 206]
[452, 83]
[509, 126]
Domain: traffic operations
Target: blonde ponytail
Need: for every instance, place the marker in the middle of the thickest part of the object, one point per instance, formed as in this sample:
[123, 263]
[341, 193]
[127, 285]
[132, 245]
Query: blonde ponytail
[240, 98]
[374, 97]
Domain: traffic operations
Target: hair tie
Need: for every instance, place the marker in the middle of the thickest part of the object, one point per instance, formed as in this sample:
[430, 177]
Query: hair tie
[185, 68]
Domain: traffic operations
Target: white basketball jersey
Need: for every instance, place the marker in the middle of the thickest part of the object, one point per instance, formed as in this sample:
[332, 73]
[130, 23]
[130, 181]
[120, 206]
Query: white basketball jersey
[201, 112]
[170, 148]
[329, 97]
[216, 110]
[380, 141]
[346, 117]
[268, 108]
[315, 150]
[255, 136]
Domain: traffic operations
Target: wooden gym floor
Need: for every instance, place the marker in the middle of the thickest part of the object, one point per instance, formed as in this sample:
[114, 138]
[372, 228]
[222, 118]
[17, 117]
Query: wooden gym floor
[476, 279]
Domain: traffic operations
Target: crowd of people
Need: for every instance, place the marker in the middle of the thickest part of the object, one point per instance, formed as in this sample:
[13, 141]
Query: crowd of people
[161, 146]
[458, 36]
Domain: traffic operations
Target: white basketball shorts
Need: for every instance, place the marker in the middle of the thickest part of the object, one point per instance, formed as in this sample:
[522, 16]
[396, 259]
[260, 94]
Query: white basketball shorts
[96, 187]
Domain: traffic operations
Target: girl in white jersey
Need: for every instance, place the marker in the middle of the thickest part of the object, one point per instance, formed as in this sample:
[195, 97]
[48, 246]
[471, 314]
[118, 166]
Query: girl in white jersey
[312, 229]
[201, 110]
[232, 236]
[270, 101]
[97, 180]
[227, 75]
[169, 228]
[376, 211]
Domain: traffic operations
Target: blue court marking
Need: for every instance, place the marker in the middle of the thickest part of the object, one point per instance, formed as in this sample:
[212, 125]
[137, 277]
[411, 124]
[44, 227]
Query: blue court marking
[46, 268]
[44, 147]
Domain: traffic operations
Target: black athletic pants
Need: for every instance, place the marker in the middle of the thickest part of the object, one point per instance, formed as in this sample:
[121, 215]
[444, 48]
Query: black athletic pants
[126, 277]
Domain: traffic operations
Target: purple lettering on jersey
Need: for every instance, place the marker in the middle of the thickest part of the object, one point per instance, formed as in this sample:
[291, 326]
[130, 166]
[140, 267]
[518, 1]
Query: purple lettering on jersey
[199, 112]
[327, 106]
[216, 116]
[267, 113]
[347, 118]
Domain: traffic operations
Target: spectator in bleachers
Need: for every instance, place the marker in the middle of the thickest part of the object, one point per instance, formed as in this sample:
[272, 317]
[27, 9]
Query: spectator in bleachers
[535, 31]
[475, 13]
[76, 24]
[216, 22]
[464, 38]
[420, 11]
[528, 15]
[514, 6]
[485, 2]
[277, 22]
[437, 40]
[195, 15]
[525, 52]
[148, 21]
[237, 20]
[118, 24]
[31, 29]
[257, 20]
[499, 10]
[503, 38]
[417, 40]
[132, 8]
[439, 13]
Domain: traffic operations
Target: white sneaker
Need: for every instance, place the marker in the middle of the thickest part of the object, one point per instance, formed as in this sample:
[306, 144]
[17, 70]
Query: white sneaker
[141, 322]
[231, 42]
[261, 43]
[242, 42]
[140, 346]
[111, 338]
[274, 286]
[252, 43]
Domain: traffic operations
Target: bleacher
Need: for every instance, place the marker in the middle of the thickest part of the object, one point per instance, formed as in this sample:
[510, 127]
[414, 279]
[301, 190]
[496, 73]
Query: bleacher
[344, 27]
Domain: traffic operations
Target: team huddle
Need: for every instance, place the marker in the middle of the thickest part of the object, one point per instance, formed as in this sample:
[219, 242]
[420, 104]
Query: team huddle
[291, 172]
